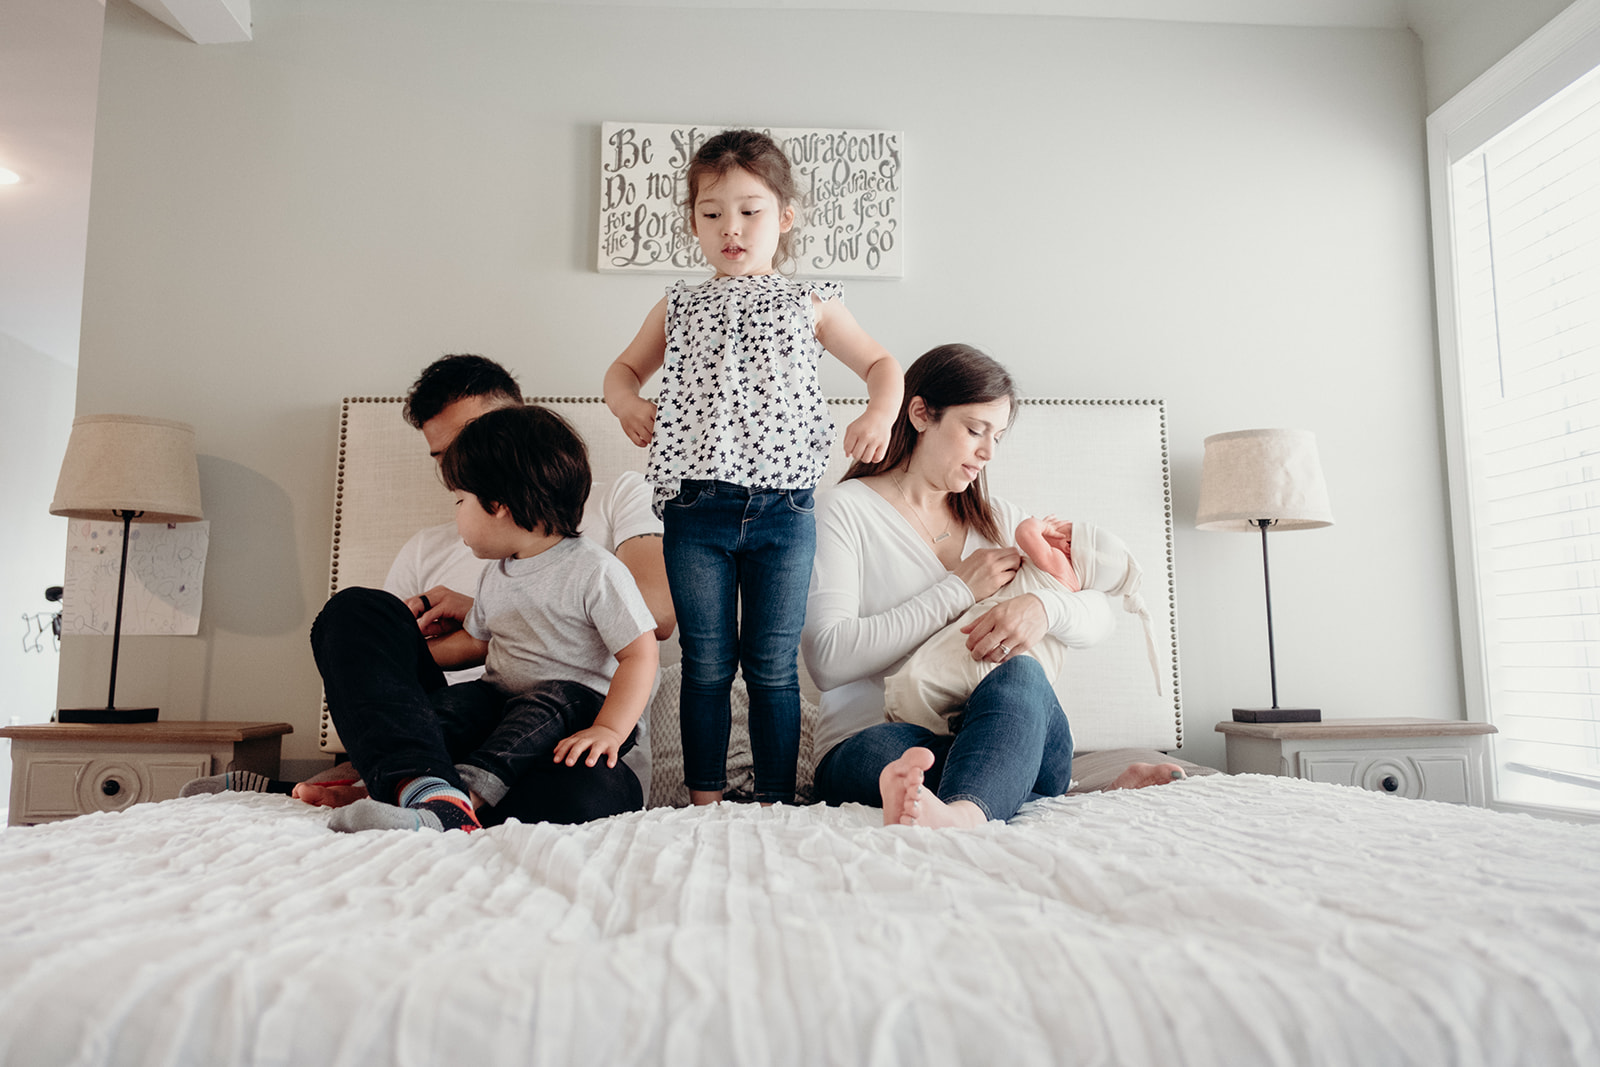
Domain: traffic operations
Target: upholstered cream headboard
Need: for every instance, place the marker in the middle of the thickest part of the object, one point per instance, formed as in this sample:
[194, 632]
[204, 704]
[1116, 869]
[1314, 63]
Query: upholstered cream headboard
[1101, 461]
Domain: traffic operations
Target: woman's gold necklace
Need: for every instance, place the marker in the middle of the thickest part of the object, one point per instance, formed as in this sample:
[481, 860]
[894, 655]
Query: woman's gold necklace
[902, 491]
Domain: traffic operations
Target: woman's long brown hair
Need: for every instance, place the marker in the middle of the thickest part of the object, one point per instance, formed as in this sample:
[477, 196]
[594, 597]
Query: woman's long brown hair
[945, 377]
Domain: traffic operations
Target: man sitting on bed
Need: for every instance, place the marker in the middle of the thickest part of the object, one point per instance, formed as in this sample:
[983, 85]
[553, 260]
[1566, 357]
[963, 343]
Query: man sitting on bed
[435, 573]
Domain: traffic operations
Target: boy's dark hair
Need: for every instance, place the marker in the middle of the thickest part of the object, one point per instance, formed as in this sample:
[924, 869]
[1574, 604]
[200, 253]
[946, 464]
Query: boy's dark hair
[451, 378]
[527, 459]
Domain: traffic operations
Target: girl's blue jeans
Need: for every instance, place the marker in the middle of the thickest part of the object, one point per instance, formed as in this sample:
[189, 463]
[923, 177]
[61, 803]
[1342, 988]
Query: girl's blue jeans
[739, 564]
[1009, 745]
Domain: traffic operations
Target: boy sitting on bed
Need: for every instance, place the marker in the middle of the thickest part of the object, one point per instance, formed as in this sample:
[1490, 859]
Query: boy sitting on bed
[568, 643]
[936, 680]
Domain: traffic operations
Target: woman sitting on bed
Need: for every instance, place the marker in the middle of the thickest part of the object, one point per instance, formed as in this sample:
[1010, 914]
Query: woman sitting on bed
[904, 546]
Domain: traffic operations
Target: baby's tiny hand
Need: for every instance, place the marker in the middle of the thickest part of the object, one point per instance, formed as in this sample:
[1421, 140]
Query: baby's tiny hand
[867, 438]
[1058, 534]
[639, 421]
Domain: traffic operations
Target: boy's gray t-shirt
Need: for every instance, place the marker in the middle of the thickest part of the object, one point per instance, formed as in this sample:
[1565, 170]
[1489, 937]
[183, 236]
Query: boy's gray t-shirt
[560, 615]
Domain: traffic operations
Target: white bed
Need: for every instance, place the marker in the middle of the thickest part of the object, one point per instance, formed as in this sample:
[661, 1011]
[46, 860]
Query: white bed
[1222, 920]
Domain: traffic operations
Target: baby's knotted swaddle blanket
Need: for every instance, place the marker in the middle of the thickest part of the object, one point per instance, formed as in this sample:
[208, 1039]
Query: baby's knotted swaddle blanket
[935, 681]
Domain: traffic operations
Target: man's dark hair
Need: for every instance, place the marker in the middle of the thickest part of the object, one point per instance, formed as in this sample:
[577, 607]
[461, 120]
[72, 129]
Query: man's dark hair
[452, 378]
[529, 460]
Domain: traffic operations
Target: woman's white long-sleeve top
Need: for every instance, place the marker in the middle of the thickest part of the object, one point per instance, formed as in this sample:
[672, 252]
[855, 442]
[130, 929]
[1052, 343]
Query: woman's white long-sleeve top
[878, 592]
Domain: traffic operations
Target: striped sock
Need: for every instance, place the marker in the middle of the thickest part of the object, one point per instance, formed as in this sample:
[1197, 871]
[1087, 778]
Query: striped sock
[449, 805]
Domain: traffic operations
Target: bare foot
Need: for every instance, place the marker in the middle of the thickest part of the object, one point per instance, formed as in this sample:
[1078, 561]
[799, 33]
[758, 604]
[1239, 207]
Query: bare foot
[936, 813]
[701, 797]
[1139, 775]
[329, 796]
[907, 802]
[900, 785]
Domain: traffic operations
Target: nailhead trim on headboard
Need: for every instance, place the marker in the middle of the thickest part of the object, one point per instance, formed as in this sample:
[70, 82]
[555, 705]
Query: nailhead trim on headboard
[338, 482]
[1166, 494]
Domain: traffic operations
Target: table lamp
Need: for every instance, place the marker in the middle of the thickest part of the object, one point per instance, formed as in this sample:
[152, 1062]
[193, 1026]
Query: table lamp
[1266, 480]
[132, 469]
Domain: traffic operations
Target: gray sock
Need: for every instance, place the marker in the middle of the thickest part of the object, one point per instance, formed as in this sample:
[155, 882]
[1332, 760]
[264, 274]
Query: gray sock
[230, 781]
[369, 814]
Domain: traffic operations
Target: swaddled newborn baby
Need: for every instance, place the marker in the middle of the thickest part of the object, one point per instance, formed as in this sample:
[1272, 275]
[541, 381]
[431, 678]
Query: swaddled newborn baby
[936, 680]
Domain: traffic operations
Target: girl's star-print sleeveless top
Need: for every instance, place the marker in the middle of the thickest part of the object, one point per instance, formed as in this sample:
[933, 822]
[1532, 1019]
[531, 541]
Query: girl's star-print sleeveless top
[739, 400]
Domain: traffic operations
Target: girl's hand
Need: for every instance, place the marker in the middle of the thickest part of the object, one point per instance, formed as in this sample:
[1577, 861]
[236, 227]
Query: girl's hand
[629, 371]
[867, 438]
[1010, 627]
[988, 570]
[638, 419]
[597, 741]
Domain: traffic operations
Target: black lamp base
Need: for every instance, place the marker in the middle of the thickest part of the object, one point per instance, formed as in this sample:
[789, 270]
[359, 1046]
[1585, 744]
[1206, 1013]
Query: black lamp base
[1277, 715]
[107, 715]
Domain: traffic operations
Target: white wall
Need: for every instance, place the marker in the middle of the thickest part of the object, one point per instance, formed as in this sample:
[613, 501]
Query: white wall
[49, 67]
[1463, 38]
[1228, 217]
[36, 413]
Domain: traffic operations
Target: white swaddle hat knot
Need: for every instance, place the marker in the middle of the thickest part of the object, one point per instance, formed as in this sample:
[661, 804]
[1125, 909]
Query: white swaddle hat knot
[1103, 562]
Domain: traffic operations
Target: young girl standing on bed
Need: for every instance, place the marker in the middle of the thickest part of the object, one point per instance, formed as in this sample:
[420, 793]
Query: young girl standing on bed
[738, 440]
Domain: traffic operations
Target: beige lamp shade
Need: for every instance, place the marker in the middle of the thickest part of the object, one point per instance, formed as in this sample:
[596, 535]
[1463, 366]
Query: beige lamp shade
[1262, 474]
[129, 463]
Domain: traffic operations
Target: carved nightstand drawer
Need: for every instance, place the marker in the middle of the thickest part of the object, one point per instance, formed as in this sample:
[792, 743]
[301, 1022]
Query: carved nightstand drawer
[1436, 774]
[59, 787]
[59, 770]
[1426, 759]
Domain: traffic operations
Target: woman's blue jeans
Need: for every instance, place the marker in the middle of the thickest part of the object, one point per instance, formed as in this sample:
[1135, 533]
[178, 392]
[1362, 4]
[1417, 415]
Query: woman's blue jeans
[1009, 745]
[739, 564]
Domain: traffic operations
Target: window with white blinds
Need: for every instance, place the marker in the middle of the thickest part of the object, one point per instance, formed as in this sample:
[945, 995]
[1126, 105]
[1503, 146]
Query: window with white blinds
[1525, 223]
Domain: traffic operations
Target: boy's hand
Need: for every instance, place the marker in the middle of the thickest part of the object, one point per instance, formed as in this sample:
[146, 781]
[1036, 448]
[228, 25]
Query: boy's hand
[867, 438]
[638, 418]
[597, 741]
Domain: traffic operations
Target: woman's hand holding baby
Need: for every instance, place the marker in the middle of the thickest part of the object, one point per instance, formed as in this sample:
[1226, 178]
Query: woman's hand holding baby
[988, 570]
[1010, 627]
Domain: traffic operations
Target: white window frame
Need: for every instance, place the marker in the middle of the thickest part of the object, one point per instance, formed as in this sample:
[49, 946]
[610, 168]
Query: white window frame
[1559, 54]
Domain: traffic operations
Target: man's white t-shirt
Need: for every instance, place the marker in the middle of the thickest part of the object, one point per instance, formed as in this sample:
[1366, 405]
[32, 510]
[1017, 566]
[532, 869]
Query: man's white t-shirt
[613, 514]
[434, 556]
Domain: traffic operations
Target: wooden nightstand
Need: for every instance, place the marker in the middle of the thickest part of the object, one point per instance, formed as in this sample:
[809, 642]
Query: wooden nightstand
[1434, 759]
[59, 770]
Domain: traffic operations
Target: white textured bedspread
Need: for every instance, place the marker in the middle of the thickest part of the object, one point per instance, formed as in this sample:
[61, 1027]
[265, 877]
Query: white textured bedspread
[1223, 920]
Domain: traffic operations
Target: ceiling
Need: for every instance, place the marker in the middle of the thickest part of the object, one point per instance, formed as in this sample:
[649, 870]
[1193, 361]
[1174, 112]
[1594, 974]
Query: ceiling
[49, 76]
